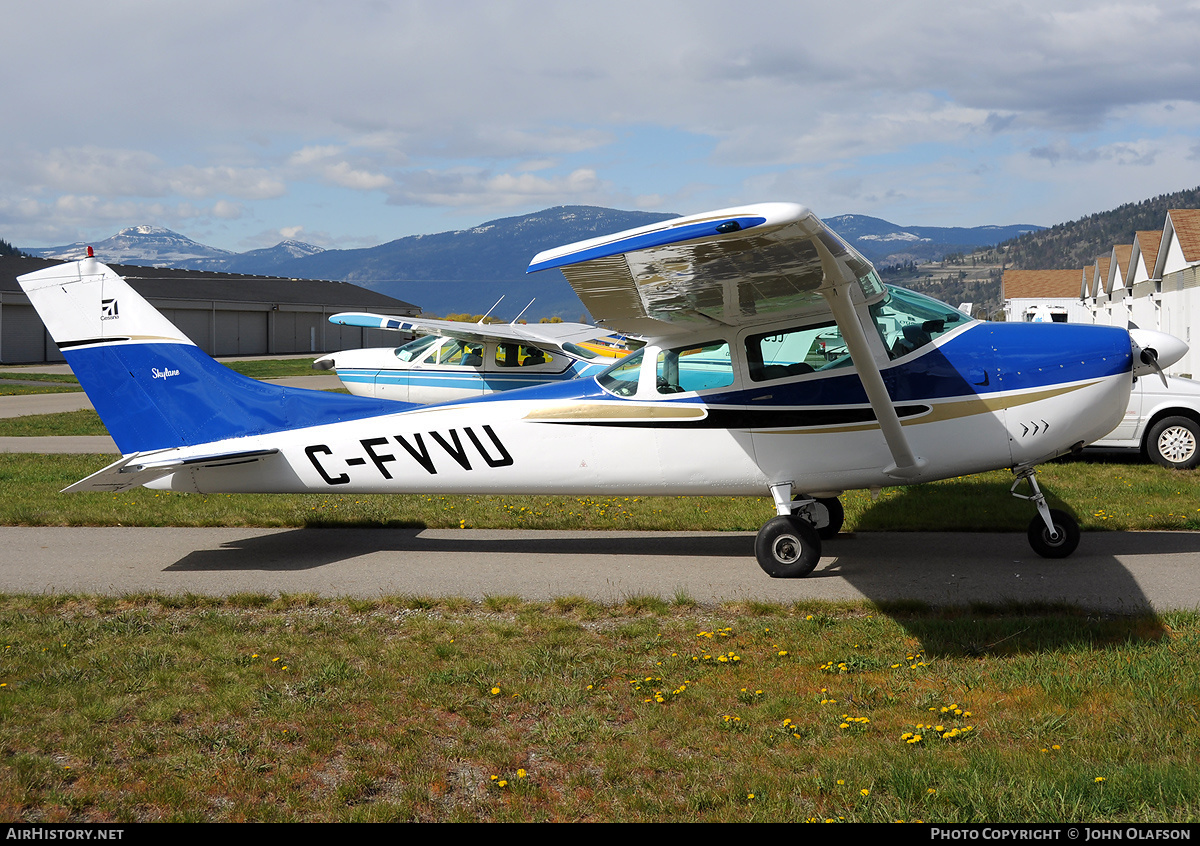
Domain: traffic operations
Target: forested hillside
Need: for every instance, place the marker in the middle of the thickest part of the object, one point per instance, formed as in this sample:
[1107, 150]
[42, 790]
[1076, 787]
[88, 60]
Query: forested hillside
[1079, 242]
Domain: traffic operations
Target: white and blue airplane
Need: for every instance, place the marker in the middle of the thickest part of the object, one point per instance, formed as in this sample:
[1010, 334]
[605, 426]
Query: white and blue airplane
[729, 395]
[456, 360]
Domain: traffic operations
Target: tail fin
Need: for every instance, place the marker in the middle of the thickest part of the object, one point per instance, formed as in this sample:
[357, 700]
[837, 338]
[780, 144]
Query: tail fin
[152, 387]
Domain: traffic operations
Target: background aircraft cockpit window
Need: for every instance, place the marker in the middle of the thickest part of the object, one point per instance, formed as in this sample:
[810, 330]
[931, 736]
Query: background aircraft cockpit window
[581, 352]
[908, 321]
[692, 368]
[415, 347]
[622, 378]
[794, 352]
[459, 353]
[511, 354]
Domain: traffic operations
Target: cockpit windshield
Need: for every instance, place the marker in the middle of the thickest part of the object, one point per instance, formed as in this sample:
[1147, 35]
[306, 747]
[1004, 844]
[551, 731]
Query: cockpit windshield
[907, 321]
[415, 347]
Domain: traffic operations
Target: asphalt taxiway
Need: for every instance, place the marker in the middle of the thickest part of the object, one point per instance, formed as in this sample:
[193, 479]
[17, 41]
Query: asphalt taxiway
[1119, 572]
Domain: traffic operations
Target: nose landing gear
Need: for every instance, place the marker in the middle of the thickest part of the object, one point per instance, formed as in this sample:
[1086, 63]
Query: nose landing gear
[1053, 533]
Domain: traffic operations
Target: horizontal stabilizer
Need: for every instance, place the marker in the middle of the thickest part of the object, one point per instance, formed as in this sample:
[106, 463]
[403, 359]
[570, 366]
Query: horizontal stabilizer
[138, 469]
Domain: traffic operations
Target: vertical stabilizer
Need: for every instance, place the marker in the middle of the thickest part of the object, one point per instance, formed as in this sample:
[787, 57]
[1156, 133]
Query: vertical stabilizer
[152, 387]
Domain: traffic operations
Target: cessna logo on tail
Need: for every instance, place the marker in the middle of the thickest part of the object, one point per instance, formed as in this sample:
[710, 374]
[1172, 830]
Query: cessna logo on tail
[108, 310]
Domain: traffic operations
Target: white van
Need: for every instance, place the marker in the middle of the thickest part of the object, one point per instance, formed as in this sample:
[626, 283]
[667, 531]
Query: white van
[1164, 423]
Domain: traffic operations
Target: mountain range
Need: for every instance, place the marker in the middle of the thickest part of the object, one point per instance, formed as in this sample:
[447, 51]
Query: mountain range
[468, 270]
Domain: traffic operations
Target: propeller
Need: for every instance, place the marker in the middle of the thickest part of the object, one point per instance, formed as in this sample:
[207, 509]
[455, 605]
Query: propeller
[1154, 350]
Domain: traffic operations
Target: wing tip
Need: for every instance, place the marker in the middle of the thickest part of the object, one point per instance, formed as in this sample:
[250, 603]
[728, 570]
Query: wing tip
[704, 225]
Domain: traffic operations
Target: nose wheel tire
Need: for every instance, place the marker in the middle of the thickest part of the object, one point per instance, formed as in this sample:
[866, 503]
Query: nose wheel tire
[787, 547]
[1059, 545]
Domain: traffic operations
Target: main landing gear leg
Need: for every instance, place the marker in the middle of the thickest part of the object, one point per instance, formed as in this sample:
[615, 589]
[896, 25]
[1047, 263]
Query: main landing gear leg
[788, 546]
[1053, 533]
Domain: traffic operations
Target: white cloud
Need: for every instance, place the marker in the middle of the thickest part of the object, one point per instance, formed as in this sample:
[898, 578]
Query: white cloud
[487, 190]
[476, 106]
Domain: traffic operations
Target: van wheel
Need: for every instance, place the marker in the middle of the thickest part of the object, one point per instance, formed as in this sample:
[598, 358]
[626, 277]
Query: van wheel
[1174, 442]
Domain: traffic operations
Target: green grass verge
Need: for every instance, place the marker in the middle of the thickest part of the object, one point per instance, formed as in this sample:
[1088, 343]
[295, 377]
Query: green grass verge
[66, 423]
[1103, 496]
[38, 388]
[36, 383]
[275, 368]
[299, 709]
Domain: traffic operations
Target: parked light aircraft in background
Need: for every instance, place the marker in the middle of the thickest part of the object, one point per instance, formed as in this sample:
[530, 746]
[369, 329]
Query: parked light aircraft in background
[458, 360]
[726, 397]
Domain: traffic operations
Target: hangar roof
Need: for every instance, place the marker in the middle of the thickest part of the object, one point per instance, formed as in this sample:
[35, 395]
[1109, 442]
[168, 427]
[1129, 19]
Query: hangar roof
[167, 283]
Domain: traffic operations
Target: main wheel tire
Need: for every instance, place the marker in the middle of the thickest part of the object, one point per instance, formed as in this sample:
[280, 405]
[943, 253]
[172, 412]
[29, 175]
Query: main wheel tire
[1065, 529]
[787, 547]
[830, 517]
[1174, 442]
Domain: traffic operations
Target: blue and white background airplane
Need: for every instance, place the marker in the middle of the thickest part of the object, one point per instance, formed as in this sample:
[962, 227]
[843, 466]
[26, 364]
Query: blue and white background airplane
[458, 360]
[742, 388]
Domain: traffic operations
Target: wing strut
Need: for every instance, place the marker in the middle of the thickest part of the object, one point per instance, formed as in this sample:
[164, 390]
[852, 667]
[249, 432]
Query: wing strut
[836, 290]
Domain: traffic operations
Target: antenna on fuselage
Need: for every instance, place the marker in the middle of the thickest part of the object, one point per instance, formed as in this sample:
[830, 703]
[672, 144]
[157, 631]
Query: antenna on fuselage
[490, 310]
[518, 317]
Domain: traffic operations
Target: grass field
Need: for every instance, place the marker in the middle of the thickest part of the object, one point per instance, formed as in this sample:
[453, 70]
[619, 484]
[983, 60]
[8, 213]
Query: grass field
[296, 709]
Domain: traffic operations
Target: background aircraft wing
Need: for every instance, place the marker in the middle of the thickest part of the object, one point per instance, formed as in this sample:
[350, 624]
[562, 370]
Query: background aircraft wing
[732, 267]
[543, 335]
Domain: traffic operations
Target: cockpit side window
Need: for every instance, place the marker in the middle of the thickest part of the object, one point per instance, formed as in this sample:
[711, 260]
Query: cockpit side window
[458, 353]
[694, 368]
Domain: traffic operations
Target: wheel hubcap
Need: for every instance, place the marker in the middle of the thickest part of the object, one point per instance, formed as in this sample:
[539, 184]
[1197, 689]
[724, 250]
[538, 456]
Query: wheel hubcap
[787, 549]
[1177, 444]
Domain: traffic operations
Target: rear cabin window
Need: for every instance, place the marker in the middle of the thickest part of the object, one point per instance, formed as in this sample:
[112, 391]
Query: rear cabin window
[795, 352]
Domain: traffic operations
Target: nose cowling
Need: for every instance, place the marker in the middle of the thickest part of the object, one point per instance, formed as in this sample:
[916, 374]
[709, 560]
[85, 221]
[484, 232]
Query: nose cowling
[1153, 351]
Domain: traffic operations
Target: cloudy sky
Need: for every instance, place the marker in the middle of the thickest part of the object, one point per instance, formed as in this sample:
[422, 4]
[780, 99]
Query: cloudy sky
[240, 123]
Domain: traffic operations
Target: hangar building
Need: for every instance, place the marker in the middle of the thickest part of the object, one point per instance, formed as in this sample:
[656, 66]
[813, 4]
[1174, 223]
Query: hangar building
[224, 314]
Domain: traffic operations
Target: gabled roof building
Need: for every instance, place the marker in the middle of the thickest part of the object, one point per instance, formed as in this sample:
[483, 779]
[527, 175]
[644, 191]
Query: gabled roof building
[1153, 283]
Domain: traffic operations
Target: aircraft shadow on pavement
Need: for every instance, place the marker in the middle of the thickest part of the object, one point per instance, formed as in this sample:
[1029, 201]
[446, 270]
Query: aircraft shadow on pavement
[303, 549]
[987, 576]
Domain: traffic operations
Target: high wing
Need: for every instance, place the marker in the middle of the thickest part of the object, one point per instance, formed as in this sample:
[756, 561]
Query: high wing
[734, 267]
[545, 335]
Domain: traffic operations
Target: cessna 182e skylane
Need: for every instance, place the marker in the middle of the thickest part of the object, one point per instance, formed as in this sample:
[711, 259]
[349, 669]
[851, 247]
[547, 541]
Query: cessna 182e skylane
[724, 398]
